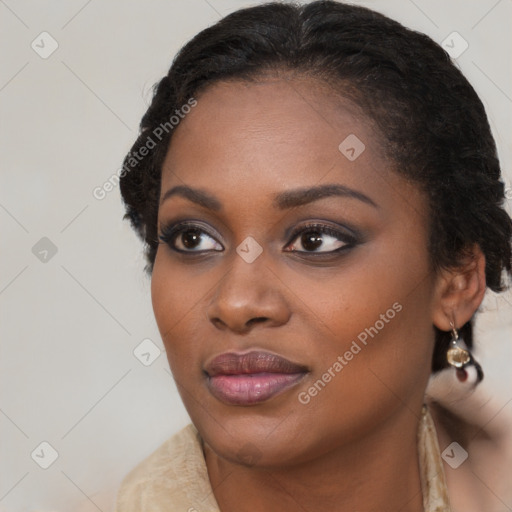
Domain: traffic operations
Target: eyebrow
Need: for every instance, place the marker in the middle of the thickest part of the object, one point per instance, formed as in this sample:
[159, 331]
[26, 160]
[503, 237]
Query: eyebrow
[282, 201]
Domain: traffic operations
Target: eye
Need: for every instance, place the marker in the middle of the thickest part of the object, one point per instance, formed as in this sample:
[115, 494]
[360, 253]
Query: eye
[188, 237]
[319, 236]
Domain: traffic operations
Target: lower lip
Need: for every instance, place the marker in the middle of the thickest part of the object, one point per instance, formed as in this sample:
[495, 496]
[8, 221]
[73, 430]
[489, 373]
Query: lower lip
[248, 389]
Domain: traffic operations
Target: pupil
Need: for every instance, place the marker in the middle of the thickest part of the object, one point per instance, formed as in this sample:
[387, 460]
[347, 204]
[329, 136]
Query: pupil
[311, 241]
[190, 238]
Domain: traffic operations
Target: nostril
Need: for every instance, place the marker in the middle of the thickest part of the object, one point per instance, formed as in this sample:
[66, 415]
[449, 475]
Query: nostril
[256, 320]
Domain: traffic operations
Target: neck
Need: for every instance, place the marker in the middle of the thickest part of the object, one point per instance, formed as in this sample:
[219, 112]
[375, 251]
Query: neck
[377, 473]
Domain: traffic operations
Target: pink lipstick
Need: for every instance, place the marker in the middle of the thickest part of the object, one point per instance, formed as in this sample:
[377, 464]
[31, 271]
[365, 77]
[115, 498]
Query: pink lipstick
[252, 377]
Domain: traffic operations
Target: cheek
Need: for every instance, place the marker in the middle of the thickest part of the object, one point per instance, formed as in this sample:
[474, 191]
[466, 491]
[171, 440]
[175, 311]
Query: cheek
[176, 297]
[382, 291]
[375, 316]
[359, 295]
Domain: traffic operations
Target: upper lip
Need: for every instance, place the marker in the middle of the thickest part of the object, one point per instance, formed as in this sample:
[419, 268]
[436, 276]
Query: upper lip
[232, 363]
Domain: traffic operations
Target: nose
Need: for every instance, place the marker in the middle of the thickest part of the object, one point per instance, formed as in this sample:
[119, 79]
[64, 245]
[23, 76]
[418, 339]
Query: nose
[248, 294]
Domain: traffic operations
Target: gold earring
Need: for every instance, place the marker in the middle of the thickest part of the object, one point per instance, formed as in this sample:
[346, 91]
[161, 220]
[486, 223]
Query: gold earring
[457, 356]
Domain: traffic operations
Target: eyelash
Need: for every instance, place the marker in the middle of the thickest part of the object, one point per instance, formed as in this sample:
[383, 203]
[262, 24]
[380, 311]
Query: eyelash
[172, 231]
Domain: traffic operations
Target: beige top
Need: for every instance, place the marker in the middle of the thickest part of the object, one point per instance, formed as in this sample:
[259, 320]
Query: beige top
[174, 477]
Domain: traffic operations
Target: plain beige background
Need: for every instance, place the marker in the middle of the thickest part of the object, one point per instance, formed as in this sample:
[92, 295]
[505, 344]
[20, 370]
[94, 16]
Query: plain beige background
[71, 321]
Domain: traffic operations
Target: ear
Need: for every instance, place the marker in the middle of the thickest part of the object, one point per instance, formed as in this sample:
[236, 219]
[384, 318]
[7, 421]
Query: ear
[459, 291]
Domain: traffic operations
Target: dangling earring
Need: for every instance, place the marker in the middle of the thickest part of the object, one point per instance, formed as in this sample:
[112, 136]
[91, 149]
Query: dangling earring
[460, 357]
[457, 356]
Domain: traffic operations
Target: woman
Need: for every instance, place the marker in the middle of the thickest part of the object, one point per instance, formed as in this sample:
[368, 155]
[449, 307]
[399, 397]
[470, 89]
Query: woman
[320, 198]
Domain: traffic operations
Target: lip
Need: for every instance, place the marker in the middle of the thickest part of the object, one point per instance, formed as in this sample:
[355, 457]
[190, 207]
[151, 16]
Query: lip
[252, 377]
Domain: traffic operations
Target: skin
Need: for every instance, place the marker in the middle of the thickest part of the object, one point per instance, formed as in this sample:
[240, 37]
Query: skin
[353, 446]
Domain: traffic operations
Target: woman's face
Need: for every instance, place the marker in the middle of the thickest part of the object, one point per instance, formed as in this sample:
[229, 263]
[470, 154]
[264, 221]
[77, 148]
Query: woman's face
[297, 314]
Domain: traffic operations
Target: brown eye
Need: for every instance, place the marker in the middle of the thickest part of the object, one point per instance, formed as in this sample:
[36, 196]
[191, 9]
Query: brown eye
[189, 238]
[314, 237]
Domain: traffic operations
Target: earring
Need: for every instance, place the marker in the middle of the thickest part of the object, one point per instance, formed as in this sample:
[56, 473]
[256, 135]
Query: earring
[457, 356]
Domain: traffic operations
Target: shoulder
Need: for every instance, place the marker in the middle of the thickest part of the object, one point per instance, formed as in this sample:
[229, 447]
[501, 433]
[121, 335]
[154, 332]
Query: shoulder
[172, 476]
[475, 439]
[164, 459]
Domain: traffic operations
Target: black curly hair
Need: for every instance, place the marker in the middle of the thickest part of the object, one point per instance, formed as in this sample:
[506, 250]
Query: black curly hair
[432, 121]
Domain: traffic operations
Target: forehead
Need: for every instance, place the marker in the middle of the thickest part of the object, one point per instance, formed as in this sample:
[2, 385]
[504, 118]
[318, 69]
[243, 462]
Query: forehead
[249, 140]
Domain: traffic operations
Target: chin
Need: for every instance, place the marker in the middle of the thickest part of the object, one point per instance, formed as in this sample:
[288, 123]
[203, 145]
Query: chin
[255, 439]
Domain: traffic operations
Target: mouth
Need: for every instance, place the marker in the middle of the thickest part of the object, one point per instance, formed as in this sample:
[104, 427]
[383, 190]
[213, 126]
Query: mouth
[251, 378]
